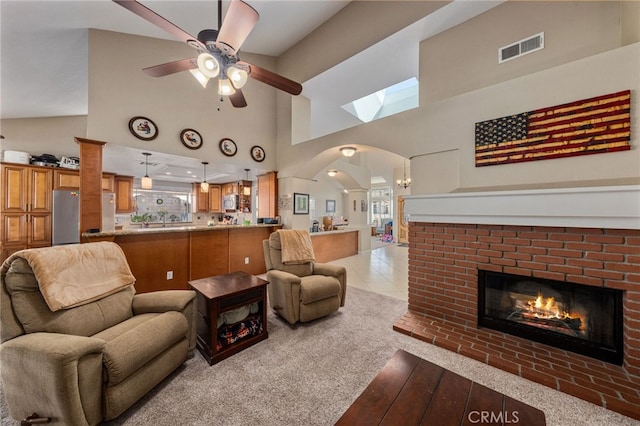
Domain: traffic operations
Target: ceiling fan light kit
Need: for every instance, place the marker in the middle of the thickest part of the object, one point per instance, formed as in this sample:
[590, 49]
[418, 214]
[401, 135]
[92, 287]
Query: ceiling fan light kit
[225, 88]
[218, 52]
[202, 79]
[237, 76]
[208, 65]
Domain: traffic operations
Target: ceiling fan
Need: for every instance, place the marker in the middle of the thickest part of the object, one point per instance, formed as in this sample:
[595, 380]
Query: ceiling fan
[218, 52]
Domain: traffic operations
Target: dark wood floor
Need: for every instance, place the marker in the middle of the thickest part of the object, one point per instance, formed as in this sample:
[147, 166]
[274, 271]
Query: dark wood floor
[412, 391]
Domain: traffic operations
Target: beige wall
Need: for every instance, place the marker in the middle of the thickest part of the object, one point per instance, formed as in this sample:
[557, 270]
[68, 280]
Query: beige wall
[462, 83]
[119, 90]
[465, 58]
[51, 135]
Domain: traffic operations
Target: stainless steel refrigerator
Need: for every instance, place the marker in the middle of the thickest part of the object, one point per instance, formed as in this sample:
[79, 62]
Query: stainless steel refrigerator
[66, 215]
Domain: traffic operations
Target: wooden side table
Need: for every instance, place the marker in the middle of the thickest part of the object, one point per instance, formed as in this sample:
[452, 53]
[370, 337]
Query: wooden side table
[221, 293]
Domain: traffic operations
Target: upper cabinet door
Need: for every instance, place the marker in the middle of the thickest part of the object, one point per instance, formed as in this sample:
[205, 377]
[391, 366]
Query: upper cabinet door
[14, 189]
[124, 194]
[40, 187]
[215, 204]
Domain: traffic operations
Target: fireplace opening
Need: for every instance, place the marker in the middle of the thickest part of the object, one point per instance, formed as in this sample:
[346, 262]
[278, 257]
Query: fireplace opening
[578, 318]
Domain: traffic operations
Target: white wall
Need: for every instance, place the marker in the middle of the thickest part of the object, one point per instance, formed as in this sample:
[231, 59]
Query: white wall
[608, 72]
[587, 53]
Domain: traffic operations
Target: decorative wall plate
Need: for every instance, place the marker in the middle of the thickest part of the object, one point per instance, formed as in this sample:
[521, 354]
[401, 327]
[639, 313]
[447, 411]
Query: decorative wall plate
[257, 153]
[191, 139]
[143, 128]
[228, 147]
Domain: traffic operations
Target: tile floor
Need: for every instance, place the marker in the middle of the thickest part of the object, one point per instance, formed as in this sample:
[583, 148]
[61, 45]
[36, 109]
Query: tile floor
[382, 270]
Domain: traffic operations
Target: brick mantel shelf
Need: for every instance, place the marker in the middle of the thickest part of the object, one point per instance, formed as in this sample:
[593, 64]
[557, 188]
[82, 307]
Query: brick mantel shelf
[587, 236]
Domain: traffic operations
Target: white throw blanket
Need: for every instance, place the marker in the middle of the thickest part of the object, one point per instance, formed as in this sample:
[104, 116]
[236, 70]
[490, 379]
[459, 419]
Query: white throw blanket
[76, 274]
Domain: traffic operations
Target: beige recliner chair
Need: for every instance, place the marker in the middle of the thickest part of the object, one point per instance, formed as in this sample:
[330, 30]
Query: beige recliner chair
[78, 346]
[304, 290]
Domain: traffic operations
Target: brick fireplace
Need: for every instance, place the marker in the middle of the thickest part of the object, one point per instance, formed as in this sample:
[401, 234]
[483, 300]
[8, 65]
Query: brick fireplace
[588, 236]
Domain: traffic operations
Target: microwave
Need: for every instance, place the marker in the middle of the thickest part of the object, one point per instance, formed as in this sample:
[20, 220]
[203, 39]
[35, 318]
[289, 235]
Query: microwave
[230, 202]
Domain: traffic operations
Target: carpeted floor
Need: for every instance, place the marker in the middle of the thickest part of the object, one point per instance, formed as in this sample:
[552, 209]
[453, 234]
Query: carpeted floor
[310, 374]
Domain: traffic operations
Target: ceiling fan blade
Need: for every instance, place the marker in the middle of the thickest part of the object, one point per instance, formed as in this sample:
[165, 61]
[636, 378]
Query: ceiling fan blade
[238, 100]
[157, 20]
[273, 79]
[171, 67]
[238, 23]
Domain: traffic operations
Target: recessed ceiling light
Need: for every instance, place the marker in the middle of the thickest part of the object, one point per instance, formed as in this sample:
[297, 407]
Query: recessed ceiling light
[348, 151]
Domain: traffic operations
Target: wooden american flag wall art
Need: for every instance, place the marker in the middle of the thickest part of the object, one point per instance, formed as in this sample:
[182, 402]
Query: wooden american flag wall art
[590, 126]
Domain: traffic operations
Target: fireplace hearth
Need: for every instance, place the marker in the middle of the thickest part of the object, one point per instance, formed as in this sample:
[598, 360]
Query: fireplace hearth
[578, 318]
[586, 236]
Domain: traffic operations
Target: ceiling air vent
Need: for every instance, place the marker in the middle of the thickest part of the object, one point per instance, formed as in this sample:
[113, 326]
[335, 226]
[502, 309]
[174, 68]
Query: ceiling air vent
[520, 48]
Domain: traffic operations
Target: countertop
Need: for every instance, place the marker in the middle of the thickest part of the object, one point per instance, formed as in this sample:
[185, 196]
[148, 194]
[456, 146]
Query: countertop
[168, 229]
[335, 231]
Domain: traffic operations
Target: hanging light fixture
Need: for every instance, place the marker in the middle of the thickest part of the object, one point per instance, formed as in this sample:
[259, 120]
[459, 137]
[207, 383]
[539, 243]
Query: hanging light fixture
[404, 182]
[247, 189]
[348, 151]
[204, 185]
[332, 172]
[146, 182]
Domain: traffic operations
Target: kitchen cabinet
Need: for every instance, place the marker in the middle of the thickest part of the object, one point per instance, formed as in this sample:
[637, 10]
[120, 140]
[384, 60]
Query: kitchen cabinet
[70, 179]
[205, 202]
[124, 194]
[215, 198]
[230, 188]
[108, 182]
[25, 211]
[268, 195]
[244, 196]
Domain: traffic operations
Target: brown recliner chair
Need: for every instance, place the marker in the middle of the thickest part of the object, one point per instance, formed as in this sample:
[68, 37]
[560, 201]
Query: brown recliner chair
[304, 291]
[78, 345]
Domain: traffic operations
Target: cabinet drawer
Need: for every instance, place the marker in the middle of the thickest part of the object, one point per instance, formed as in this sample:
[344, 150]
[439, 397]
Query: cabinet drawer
[239, 299]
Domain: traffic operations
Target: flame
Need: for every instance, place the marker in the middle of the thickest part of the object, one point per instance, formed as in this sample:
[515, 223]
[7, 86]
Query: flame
[547, 308]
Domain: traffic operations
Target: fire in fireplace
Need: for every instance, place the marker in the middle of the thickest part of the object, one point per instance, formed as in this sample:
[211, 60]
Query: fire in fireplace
[574, 317]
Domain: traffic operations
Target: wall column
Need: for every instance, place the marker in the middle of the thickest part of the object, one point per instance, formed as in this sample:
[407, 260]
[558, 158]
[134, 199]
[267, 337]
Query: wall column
[90, 184]
[358, 213]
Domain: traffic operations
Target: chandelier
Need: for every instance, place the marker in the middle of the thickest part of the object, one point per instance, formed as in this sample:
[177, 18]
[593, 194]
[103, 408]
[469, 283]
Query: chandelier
[405, 182]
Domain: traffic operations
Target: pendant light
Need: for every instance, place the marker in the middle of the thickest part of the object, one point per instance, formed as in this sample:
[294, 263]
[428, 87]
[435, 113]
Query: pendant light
[204, 186]
[404, 182]
[146, 182]
[247, 189]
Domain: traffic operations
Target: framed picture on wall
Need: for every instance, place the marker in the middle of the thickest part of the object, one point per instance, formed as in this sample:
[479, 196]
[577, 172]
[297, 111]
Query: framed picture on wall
[300, 203]
[331, 206]
[143, 128]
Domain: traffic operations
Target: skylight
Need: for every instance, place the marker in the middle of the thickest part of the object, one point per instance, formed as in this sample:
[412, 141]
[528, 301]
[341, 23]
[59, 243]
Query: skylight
[383, 103]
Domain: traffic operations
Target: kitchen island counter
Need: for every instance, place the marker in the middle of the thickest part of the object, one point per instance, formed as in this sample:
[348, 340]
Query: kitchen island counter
[332, 245]
[171, 228]
[165, 258]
